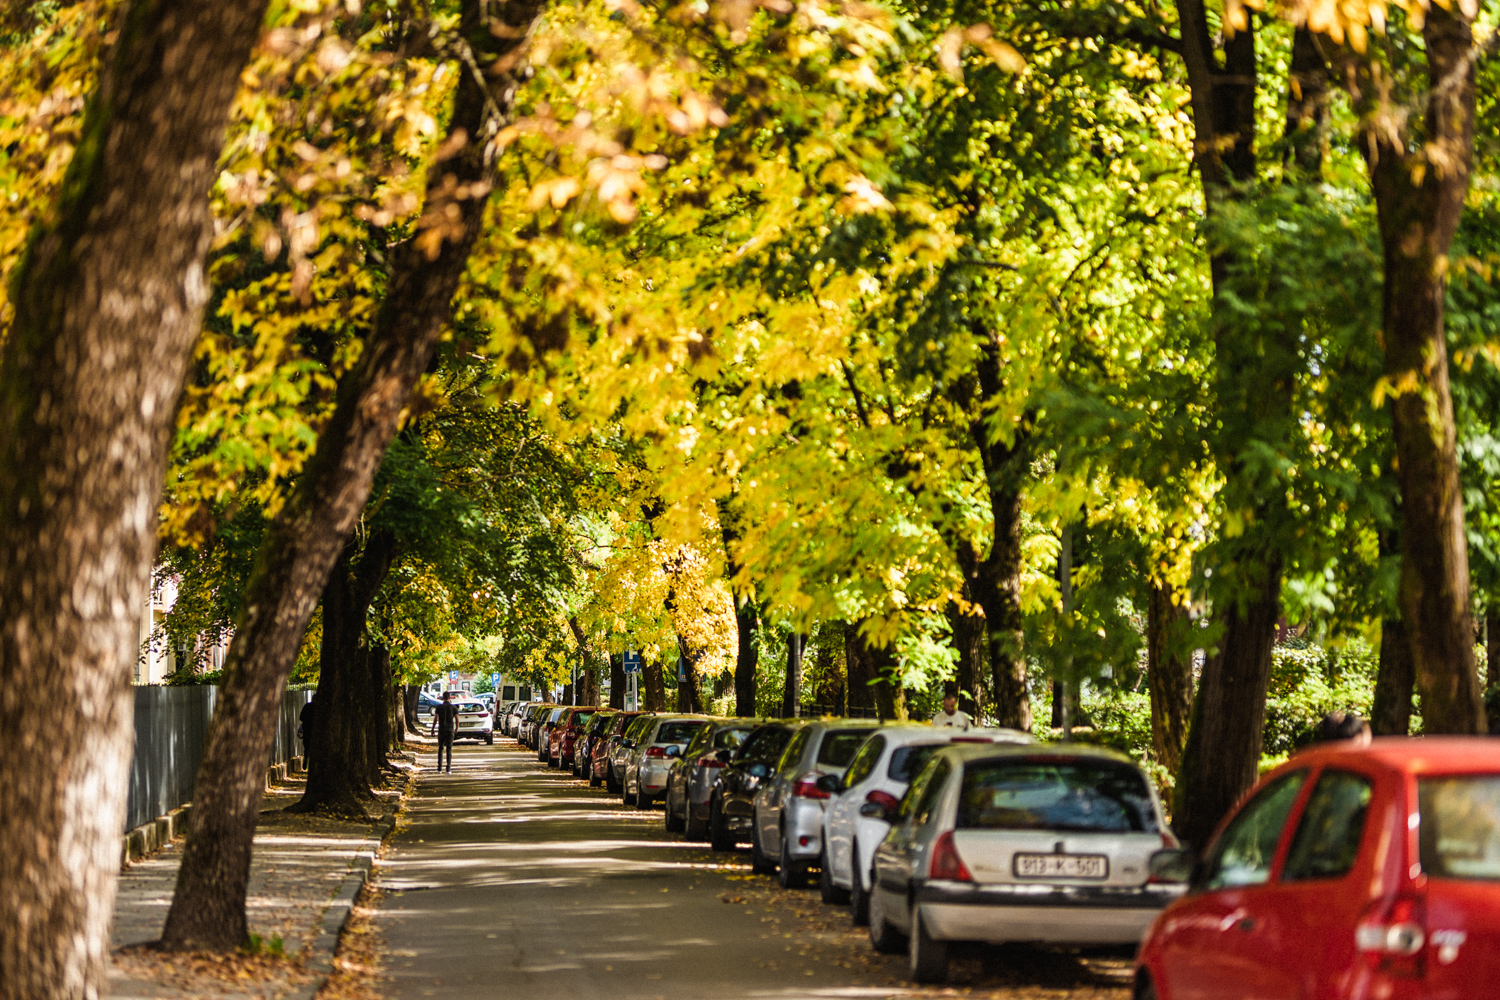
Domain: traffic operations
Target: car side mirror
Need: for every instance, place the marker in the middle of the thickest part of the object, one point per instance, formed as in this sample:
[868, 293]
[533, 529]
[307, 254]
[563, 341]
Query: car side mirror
[831, 783]
[1172, 865]
[874, 810]
[628, 744]
[758, 769]
[723, 755]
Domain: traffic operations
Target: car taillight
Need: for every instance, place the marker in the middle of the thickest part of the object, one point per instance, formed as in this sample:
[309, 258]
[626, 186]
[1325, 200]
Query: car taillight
[710, 762]
[946, 864]
[1169, 841]
[656, 751]
[806, 787]
[885, 800]
[1391, 936]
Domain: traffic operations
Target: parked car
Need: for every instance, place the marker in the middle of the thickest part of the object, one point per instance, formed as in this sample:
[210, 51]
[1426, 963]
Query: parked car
[603, 751]
[788, 807]
[620, 754]
[1348, 872]
[880, 772]
[517, 716]
[583, 751]
[659, 743]
[731, 807]
[544, 732]
[691, 778]
[505, 719]
[565, 734]
[1018, 843]
[474, 721]
[533, 721]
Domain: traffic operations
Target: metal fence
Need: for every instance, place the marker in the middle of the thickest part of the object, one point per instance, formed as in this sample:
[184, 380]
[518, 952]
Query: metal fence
[171, 725]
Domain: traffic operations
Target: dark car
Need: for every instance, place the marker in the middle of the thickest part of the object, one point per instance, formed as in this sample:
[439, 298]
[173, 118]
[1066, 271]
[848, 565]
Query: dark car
[544, 732]
[565, 734]
[533, 721]
[602, 753]
[694, 775]
[583, 750]
[731, 809]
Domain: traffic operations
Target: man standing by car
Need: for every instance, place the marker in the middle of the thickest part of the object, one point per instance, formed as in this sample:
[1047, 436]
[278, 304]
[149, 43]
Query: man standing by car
[445, 721]
[950, 716]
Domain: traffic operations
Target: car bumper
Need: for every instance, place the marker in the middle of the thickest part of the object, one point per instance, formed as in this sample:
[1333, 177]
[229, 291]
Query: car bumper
[804, 829]
[654, 778]
[1058, 914]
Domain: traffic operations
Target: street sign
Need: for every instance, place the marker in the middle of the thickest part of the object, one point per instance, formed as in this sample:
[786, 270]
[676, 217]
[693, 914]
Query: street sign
[632, 662]
[682, 676]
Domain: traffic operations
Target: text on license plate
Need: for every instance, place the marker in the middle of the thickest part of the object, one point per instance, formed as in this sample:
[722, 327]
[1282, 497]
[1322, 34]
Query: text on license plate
[1061, 866]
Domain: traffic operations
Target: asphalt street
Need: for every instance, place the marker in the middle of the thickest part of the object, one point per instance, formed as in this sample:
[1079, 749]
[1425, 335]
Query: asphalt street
[509, 880]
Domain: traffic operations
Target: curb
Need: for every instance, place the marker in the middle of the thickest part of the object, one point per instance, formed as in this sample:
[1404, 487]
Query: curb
[153, 836]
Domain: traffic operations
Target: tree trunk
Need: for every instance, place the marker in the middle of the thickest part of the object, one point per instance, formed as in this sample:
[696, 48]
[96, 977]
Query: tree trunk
[860, 668]
[617, 681]
[386, 716]
[395, 716]
[410, 694]
[1419, 198]
[791, 693]
[890, 700]
[995, 582]
[1222, 754]
[208, 909]
[968, 642]
[653, 688]
[1169, 675]
[108, 303]
[1390, 715]
[335, 770]
[690, 690]
[747, 657]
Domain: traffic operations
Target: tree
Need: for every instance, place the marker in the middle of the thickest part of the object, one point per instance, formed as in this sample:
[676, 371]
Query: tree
[107, 303]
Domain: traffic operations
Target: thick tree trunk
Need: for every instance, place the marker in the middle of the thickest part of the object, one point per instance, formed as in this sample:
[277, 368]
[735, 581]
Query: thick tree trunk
[386, 716]
[617, 681]
[968, 642]
[860, 668]
[335, 773]
[108, 303]
[1395, 677]
[995, 582]
[747, 657]
[395, 715]
[208, 909]
[1222, 754]
[653, 687]
[890, 700]
[791, 692]
[689, 691]
[410, 694]
[1169, 675]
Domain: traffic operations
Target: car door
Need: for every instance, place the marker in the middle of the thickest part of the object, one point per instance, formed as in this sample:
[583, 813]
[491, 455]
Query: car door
[1459, 845]
[768, 801]
[838, 823]
[902, 848]
[1213, 944]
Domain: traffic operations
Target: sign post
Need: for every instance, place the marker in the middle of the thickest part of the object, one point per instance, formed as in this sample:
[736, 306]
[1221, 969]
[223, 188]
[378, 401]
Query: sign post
[632, 667]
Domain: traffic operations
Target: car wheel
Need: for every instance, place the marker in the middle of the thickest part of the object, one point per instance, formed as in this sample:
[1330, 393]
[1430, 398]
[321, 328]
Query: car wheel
[759, 863]
[489, 739]
[859, 900]
[1145, 989]
[693, 828]
[593, 779]
[610, 784]
[719, 837]
[832, 894]
[929, 958]
[883, 937]
[642, 800]
[673, 821]
[790, 874]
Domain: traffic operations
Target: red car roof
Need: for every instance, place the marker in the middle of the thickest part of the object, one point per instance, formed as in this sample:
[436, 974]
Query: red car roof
[1410, 755]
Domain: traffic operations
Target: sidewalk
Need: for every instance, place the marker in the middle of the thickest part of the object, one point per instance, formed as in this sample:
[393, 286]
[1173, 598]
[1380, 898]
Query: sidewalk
[304, 875]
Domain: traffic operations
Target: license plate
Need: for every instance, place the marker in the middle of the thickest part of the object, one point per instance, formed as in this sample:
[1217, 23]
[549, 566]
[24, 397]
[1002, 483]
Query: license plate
[1061, 866]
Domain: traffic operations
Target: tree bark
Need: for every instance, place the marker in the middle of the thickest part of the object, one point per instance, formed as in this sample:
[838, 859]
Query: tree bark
[653, 688]
[409, 697]
[1169, 675]
[747, 657]
[1222, 753]
[108, 303]
[860, 669]
[1307, 104]
[1395, 677]
[968, 642]
[791, 692]
[689, 691]
[208, 909]
[617, 681]
[1420, 178]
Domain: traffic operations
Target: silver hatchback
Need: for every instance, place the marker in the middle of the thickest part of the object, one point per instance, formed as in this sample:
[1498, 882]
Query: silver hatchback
[658, 744]
[1046, 843]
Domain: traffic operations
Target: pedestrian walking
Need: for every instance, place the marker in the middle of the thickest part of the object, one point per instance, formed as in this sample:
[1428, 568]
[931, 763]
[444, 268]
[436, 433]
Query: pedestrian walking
[950, 716]
[445, 722]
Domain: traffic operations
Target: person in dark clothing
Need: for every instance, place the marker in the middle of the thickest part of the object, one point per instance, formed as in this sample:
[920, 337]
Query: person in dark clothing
[445, 721]
[307, 725]
[1338, 726]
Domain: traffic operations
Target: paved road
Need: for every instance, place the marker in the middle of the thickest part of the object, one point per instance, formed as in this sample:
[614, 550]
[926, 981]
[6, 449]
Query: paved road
[511, 880]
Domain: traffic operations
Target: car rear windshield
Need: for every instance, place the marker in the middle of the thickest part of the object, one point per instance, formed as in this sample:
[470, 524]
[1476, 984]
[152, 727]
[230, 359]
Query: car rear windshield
[1460, 832]
[677, 732]
[582, 718]
[840, 746]
[907, 761]
[730, 739]
[1100, 796]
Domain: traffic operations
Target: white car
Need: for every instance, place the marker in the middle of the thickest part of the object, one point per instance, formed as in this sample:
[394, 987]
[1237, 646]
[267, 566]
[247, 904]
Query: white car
[879, 773]
[1044, 843]
[474, 721]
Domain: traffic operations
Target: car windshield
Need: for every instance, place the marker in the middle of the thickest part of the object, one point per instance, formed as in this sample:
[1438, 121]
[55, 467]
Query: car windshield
[730, 739]
[1460, 831]
[1055, 793]
[677, 732]
[907, 761]
[582, 718]
[600, 723]
[840, 745]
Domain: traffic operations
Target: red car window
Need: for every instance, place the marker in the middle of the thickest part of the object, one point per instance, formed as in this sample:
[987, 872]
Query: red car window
[1243, 855]
[1460, 832]
[1332, 827]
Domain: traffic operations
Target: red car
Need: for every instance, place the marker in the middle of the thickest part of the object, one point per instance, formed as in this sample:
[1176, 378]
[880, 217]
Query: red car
[1348, 873]
[565, 732]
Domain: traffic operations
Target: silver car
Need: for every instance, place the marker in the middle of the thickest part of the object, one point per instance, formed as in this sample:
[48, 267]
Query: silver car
[787, 832]
[619, 757]
[1049, 843]
[880, 773]
[691, 779]
[657, 746]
